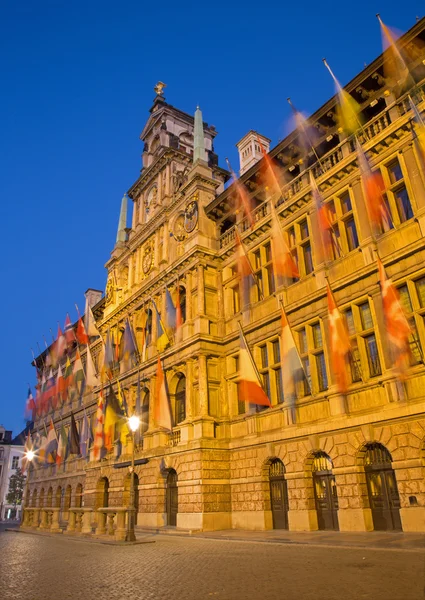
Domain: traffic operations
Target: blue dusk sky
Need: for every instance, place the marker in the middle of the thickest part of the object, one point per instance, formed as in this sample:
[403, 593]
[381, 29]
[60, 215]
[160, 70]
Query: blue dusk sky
[77, 83]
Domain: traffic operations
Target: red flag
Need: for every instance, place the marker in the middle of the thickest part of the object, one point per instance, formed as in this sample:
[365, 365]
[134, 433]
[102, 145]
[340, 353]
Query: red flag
[69, 331]
[81, 334]
[374, 189]
[244, 200]
[60, 343]
[162, 404]
[249, 385]
[398, 328]
[340, 342]
[271, 173]
[244, 269]
[325, 223]
[60, 386]
[284, 266]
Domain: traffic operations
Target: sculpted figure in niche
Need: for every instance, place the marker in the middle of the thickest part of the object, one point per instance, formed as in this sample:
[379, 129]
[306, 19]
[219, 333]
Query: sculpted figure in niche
[179, 178]
[109, 292]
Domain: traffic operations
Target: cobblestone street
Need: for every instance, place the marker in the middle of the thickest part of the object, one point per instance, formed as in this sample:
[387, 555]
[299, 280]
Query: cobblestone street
[34, 567]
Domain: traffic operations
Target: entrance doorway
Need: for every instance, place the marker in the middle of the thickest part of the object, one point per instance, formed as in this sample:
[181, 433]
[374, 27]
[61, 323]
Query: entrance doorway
[382, 489]
[172, 499]
[325, 493]
[278, 494]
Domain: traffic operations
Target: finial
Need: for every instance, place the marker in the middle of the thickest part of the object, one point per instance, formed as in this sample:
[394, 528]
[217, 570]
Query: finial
[159, 88]
[198, 135]
[122, 223]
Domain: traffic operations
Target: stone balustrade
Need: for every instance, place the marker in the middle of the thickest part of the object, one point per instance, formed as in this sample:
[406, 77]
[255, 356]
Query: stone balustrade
[80, 520]
[112, 522]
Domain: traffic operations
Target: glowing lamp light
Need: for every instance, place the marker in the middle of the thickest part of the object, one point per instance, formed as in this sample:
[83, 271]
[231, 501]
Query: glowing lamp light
[134, 423]
[30, 455]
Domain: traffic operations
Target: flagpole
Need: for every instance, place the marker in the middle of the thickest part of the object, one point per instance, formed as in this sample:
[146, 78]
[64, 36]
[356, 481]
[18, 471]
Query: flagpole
[260, 380]
[340, 89]
[304, 130]
[254, 276]
[295, 346]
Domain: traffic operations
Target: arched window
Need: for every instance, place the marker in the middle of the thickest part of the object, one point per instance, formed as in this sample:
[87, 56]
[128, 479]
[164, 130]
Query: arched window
[49, 498]
[180, 410]
[67, 498]
[41, 499]
[34, 498]
[102, 493]
[58, 498]
[78, 496]
[144, 417]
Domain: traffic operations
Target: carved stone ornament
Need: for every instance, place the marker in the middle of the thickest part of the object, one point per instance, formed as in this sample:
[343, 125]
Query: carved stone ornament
[147, 260]
[179, 178]
[110, 291]
[179, 232]
[191, 216]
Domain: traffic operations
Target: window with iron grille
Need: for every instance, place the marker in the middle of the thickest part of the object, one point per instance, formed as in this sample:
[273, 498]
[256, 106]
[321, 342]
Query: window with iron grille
[271, 370]
[396, 196]
[364, 355]
[312, 353]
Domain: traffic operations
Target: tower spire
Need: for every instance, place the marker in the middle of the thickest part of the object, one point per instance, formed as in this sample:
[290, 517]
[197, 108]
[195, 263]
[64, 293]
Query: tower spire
[122, 223]
[199, 142]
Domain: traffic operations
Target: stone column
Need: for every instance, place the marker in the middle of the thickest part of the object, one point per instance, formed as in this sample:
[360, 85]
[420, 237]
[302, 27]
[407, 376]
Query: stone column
[203, 385]
[54, 527]
[43, 522]
[189, 389]
[353, 514]
[189, 311]
[120, 531]
[71, 522]
[87, 520]
[201, 291]
[101, 523]
[36, 517]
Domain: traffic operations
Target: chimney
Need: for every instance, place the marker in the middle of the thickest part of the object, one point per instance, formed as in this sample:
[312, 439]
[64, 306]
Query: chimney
[92, 297]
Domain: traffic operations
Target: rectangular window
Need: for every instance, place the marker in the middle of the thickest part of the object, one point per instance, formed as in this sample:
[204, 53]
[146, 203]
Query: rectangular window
[372, 355]
[15, 462]
[355, 363]
[304, 230]
[321, 371]
[317, 335]
[414, 341]
[308, 259]
[349, 319]
[351, 233]
[236, 299]
[302, 337]
[396, 196]
[365, 316]
[404, 208]
[420, 290]
[263, 269]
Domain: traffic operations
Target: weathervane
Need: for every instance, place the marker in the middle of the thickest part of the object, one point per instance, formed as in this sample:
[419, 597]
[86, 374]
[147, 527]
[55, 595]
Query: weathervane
[159, 88]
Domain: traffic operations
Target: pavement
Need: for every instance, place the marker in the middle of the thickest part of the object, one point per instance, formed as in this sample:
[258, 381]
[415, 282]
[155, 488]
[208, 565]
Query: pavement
[213, 565]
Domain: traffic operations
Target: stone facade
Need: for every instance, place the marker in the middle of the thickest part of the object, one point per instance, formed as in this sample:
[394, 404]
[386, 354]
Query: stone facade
[356, 462]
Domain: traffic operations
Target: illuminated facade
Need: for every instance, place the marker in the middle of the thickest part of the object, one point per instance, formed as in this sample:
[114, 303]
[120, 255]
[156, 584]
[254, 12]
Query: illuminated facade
[354, 462]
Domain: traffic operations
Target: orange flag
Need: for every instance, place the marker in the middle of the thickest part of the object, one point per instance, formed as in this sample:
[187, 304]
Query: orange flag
[244, 200]
[397, 326]
[374, 189]
[340, 342]
[249, 385]
[284, 266]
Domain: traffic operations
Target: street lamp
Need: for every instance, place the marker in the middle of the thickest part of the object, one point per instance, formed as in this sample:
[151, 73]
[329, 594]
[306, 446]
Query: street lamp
[134, 424]
[29, 455]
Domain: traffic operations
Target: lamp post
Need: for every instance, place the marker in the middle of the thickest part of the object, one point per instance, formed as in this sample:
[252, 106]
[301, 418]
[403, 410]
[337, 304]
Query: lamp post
[29, 455]
[134, 424]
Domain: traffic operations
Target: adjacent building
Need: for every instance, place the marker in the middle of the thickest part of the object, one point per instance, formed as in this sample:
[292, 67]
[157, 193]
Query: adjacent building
[11, 454]
[354, 462]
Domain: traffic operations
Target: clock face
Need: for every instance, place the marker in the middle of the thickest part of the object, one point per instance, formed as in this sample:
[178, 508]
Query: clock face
[147, 259]
[191, 216]
[179, 228]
